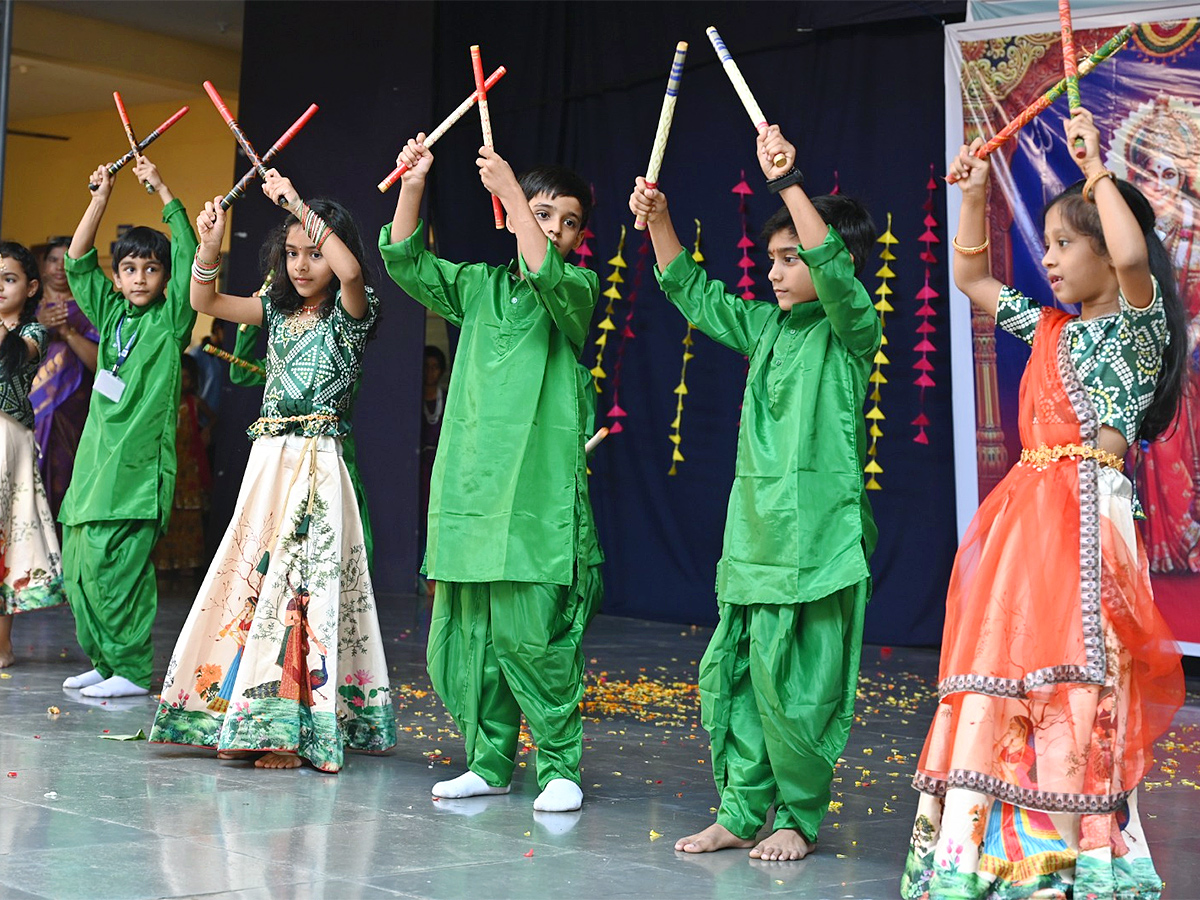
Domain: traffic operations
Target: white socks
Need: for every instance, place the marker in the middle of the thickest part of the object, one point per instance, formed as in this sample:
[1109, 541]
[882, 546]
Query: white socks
[468, 784]
[114, 687]
[560, 795]
[75, 682]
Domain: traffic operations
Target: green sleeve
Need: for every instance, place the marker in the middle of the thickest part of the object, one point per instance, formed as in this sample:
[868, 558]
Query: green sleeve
[91, 288]
[727, 319]
[444, 287]
[243, 348]
[568, 293]
[847, 304]
[183, 250]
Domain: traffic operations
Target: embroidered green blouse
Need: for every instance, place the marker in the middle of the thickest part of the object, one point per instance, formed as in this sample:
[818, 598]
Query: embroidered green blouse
[1118, 356]
[312, 368]
[799, 526]
[15, 386]
[127, 451]
[509, 482]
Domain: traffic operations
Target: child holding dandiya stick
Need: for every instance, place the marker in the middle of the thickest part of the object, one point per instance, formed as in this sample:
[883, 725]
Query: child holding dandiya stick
[1057, 673]
[30, 562]
[778, 680]
[281, 653]
[509, 505]
[119, 503]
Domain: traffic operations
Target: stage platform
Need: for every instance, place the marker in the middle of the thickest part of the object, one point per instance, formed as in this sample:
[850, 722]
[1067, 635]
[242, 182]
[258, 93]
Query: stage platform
[88, 818]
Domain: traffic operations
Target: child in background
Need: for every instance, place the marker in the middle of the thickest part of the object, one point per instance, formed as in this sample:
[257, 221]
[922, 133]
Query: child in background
[30, 564]
[1057, 673]
[509, 504]
[182, 547]
[281, 655]
[114, 515]
[778, 680]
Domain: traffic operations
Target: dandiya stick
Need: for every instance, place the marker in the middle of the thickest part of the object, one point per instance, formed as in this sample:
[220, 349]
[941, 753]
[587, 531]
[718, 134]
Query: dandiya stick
[1070, 66]
[739, 85]
[486, 121]
[592, 443]
[216, 351]
[1042, 103]
[115, 167]
[239, 189]
[435, 135]
[664, 123]
[133, 144]
[238, 134]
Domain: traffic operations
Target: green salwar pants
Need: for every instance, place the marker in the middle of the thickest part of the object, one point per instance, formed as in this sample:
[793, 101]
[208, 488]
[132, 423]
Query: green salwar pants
[501, 648]
[777, 688]
[113, 595]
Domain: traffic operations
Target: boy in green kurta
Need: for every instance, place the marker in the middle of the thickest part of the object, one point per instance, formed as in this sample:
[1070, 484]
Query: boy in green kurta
[778, 680]
[119, 503]
[509, 543]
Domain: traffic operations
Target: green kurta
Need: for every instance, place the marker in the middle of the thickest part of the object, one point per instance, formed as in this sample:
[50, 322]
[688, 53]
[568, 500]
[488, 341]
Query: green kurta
[127, 451]
[799, 526]
[506, 499]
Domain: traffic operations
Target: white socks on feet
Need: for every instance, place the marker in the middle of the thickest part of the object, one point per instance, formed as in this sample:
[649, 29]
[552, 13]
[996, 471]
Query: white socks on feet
[75, 682]
[116, 686]
[560, 795]
[468, 784]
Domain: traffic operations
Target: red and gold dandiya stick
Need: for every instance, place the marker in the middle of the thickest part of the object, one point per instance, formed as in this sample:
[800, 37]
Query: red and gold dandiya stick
[739, 85]
[133, 144]
[238, 134]
[592, 443]
[115, 167]
[664, 123]
[1042, 103]
[1070, 66]
[216, 351]
[239, 189]
[485, 120]
[433, 136]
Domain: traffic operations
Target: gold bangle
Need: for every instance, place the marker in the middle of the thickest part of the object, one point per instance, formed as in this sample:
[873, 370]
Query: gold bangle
[1089, 186]
[970, 251]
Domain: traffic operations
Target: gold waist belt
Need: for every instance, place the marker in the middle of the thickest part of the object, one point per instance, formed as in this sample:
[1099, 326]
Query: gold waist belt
[1043, 455]
[267, 424]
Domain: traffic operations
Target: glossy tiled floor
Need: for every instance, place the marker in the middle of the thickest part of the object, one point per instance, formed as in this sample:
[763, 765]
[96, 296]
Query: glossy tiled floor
[89, 818]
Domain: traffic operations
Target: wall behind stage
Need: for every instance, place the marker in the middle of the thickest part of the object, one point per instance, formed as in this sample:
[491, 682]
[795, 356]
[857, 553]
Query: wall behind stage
[584, 88]
[368, 67]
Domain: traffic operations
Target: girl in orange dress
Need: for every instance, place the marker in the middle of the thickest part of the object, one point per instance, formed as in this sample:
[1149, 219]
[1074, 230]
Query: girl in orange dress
[1057, 673]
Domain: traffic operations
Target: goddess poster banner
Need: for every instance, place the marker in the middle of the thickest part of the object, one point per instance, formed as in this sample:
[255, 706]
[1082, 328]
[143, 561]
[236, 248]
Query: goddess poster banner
[1146, 103]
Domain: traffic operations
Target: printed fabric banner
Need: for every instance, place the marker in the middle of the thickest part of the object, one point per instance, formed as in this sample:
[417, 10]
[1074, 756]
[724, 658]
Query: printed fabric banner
[1146, 103]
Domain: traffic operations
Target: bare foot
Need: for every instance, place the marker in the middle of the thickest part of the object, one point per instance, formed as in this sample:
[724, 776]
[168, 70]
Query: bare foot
[6, 650]
[785, 844]
[714, 837]
[6, 656]
[275, 760]
[233, 754]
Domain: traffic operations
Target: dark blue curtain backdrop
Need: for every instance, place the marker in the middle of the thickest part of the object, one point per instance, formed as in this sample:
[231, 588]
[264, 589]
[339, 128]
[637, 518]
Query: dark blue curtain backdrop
[858, 87]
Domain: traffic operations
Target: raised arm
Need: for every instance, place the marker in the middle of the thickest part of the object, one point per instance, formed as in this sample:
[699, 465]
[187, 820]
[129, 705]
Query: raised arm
[1122, 235]
[727, 319]
[147, 173]
[497, 176]
[341, 259]
[972, 270]
[210, 226]
[85, 232]
[418, 159]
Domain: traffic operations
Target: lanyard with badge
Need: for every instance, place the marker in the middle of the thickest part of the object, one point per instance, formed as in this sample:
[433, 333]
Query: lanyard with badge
[108, 382]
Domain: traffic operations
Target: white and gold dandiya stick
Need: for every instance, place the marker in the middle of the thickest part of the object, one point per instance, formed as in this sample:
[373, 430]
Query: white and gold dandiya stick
[594, 441]
[739, 85]
[485, 120]
[437, 133]
[664, 124]
[214, 350]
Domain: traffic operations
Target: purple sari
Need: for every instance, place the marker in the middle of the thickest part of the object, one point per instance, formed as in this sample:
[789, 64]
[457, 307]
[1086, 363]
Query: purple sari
[61, 391]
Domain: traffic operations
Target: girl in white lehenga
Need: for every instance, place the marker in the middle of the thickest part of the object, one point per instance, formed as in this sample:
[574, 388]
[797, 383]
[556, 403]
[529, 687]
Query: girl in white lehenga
[30, 561]
[281, 654]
